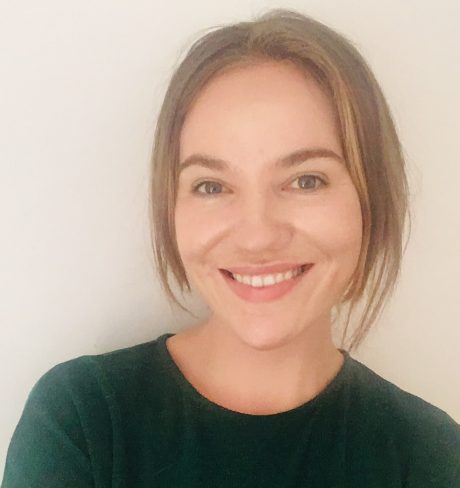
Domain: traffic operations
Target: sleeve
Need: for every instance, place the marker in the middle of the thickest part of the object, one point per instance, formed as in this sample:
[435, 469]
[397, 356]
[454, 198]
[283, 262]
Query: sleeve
[48, 448]
[456, 477]
[435, 453]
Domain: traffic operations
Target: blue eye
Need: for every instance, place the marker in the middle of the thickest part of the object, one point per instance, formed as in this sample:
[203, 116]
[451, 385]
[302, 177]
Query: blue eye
[313, 179]
[313, 182]
[195, 188]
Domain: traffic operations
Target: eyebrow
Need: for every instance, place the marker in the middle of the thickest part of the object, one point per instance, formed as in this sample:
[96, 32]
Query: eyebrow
[292, 159]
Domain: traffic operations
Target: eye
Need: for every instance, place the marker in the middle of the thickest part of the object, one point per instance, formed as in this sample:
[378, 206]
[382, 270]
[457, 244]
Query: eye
[308, 182]
[211, 185]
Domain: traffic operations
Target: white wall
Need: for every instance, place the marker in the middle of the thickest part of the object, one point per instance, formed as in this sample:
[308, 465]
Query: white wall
[80, 87]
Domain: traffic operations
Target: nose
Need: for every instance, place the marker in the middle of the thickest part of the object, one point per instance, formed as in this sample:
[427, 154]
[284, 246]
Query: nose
[262, 223]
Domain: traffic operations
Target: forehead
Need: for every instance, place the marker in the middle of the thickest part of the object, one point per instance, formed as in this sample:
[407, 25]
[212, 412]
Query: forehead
[259, 110]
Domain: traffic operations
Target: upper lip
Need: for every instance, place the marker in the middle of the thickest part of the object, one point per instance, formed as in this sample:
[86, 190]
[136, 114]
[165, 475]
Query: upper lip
[259, 270]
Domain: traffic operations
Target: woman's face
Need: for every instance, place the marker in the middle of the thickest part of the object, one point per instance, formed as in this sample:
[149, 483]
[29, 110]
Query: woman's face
[256, 212]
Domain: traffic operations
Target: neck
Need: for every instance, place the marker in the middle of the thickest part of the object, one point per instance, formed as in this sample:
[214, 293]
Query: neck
[278, 378]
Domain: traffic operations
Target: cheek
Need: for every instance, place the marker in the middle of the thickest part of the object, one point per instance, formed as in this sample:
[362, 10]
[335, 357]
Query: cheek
[196, 230]
[185, 227]
[336, 228]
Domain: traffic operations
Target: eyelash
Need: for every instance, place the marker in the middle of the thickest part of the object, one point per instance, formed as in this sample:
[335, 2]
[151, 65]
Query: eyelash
[204, 194]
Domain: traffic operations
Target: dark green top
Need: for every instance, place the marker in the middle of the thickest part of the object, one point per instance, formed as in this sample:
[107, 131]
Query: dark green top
[129, 418]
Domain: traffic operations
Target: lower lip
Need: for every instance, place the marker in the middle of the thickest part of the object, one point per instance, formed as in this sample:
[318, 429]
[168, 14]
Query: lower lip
[264, 293]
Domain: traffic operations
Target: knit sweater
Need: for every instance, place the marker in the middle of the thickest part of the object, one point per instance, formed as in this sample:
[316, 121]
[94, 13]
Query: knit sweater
[129, 418]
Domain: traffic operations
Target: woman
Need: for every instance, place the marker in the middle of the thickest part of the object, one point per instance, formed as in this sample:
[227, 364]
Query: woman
[279, 191]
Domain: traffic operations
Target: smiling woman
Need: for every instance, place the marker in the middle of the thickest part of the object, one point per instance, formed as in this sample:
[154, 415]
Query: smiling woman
[278, 191]
[262, 214]
[252, 96]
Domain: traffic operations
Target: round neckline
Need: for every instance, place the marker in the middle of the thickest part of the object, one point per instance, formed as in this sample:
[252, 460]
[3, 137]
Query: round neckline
[204, 402]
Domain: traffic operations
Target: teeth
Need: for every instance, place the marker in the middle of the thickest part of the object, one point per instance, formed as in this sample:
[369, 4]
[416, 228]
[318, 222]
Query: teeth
[267, 280]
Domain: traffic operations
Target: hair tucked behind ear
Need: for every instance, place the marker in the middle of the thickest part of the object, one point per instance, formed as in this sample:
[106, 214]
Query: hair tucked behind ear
[370, 144]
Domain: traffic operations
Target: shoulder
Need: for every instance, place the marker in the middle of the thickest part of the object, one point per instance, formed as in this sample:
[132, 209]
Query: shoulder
[88, 375]
[426, 436]
[389, 399]
[69, 428]
[80, 393]
[86, 394]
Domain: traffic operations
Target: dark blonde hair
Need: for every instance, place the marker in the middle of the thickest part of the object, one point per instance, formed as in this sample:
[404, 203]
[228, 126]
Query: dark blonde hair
[371, 148]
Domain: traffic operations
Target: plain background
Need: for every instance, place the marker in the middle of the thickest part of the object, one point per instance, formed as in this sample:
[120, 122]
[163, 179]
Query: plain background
[80, 87]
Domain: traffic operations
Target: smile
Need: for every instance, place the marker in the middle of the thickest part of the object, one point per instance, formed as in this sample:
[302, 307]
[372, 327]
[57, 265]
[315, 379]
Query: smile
[259, 281]
[262, 288]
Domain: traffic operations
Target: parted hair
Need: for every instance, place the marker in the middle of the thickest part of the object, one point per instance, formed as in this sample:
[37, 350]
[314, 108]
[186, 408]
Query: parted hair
[371, 147]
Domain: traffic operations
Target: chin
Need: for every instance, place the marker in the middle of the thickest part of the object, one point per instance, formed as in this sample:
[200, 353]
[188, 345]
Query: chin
[264, 338]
